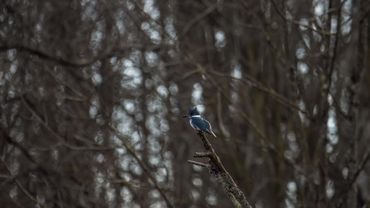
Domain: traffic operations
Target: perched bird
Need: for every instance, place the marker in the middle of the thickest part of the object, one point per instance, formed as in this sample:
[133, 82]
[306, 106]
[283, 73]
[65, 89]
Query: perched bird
[199, 123]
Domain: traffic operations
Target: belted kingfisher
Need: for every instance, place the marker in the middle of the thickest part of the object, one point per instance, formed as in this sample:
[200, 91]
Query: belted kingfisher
[199, 123]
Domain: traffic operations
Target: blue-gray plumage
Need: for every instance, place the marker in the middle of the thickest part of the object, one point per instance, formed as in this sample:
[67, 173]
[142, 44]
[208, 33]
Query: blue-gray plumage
[199, 123]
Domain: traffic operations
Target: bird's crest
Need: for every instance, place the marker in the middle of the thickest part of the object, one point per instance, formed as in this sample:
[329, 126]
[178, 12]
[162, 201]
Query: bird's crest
[193, 111]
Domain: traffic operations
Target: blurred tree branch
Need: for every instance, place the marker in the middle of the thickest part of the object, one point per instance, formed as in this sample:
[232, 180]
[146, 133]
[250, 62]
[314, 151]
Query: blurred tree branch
[21, 187]
[143, 166]
[64, 62]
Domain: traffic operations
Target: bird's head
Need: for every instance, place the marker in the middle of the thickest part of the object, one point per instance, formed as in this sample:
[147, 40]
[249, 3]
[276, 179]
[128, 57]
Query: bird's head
[192, 112]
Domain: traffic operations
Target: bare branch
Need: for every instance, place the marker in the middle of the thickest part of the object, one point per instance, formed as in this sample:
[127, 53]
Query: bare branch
[203, 154]
[198, 163]
[218, 170]
[21, 187]
[142, 165]
[62, 61]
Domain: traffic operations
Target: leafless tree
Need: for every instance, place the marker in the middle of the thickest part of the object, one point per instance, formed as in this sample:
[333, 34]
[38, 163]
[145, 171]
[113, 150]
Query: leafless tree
[92, 94]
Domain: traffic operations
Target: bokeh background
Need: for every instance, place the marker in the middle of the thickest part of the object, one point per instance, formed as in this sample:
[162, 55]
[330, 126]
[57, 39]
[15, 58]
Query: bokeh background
[92, 94]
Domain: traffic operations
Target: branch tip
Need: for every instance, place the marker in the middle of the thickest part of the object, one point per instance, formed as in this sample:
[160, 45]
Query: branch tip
[198, 163]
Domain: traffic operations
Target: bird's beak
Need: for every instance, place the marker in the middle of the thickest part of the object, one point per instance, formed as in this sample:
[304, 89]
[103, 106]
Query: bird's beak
[185, 116]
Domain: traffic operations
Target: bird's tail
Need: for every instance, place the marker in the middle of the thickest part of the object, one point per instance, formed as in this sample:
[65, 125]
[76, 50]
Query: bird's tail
[211, 133]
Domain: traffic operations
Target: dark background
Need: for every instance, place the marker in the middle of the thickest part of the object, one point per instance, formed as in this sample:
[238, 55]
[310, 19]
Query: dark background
[92, 95]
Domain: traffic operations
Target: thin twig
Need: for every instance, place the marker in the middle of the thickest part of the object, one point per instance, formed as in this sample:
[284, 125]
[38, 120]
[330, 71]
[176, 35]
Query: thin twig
[204, 165]
[203, 154]
[21, 187]
[197, 19]
[361, 167]
[62, 61]
[143, 166]
[259, 86]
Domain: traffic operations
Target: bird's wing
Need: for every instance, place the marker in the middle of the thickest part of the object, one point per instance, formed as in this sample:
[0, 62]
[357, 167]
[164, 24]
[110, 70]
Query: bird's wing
[191, 123]
[207, 124]
[209, 127]
[194, 122]
[199, 124]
